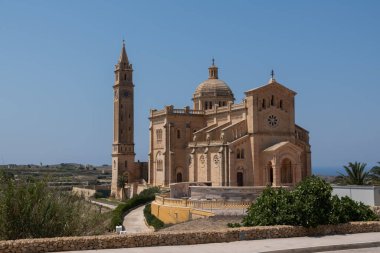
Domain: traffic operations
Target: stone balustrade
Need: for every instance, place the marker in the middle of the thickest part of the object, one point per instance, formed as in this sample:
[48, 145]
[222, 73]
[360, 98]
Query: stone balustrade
[202, 204]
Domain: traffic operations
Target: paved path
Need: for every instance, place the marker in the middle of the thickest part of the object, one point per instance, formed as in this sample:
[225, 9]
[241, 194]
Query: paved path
[134, 222]
[283, 245]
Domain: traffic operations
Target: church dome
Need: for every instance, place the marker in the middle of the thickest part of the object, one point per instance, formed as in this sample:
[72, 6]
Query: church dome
[213, 87]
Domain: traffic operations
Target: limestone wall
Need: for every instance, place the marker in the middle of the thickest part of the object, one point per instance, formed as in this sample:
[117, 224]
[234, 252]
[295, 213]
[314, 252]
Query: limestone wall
[178, 238]
[368, 194]
[180, 190]
[83, 192]
[249, 193]
[170, 214]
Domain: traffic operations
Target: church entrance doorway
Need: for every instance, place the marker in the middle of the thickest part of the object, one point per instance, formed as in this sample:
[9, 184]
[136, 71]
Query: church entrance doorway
[240, 179]
[179, 177]
[286, 171]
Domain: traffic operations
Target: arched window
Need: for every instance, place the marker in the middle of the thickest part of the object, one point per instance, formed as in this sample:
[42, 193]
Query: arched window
[272, 101]
[206, 105]
[125, 77]
[114, 164]
[286, 171]
[159, 163]
[242, 153]
[178, 134]
[264, 104]
[210, 104]
[281, 104]
[179, 177]
[126, 164]
[238, 153]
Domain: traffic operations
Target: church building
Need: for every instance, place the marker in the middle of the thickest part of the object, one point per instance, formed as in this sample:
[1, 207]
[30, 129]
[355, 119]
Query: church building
[253, 143]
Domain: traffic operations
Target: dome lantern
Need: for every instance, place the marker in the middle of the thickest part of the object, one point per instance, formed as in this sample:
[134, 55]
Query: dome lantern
[212, 91]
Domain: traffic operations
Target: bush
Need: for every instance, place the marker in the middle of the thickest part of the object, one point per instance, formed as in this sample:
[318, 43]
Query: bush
[345, 209]
[273, 207]
[102, 194]
[233, 225]
[144, 197]
[30, 209]
[310, 204]
[151, 219]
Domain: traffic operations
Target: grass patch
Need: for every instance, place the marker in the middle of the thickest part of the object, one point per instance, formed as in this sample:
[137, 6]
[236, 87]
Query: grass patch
[151, 219]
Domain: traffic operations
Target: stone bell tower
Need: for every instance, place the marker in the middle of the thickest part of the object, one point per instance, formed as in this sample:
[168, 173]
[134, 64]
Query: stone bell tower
[123, 154]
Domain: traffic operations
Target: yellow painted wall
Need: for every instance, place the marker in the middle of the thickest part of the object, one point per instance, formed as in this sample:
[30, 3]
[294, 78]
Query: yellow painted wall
[175, 214]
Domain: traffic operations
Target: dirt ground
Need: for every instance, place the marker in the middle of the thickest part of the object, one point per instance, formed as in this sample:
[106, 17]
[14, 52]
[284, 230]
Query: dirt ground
[205, 224]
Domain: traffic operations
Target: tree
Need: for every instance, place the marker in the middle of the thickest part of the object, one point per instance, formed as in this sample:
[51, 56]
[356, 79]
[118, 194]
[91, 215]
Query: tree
[121, 181]
[375, 173]
[356, 174]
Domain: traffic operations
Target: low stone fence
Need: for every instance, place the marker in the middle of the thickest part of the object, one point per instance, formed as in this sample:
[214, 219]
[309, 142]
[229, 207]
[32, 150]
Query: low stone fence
[179, 238]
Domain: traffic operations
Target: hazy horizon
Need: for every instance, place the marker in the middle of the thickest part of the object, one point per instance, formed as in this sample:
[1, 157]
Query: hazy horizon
[58, 57]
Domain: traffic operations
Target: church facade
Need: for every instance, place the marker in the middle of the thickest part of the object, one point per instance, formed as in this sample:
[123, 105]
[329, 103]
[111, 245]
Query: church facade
[253, 143]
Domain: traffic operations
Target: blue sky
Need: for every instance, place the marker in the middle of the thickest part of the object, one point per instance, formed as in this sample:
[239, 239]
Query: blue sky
[57, 60]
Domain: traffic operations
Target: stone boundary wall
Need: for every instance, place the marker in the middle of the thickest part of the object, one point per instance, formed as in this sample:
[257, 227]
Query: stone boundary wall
[87, 193]
[179, 238]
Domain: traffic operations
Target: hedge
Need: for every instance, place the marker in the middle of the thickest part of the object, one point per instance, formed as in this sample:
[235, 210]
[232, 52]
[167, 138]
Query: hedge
[121, 210]
[151, 219]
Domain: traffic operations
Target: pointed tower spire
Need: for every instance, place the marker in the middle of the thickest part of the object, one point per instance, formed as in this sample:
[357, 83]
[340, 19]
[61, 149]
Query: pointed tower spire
[213, 70]
[123, 55]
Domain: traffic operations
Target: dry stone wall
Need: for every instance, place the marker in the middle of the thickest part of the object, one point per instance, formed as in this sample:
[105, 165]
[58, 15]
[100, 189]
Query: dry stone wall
[179, 238]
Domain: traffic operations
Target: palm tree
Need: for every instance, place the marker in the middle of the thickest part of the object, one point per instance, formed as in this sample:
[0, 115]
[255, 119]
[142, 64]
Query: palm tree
[375, 173]
[121, 181]
[356, 174]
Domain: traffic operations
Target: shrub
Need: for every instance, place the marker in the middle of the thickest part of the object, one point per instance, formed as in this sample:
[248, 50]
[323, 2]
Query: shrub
[151, 219]
[345, 209]
[144, 197]
[310, 204]
[273, 207]
[30, 209]
[233, 225]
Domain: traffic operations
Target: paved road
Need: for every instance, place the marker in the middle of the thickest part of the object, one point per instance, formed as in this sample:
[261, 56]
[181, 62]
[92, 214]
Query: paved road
[367, 250]
[295, 244]
[134, 222]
